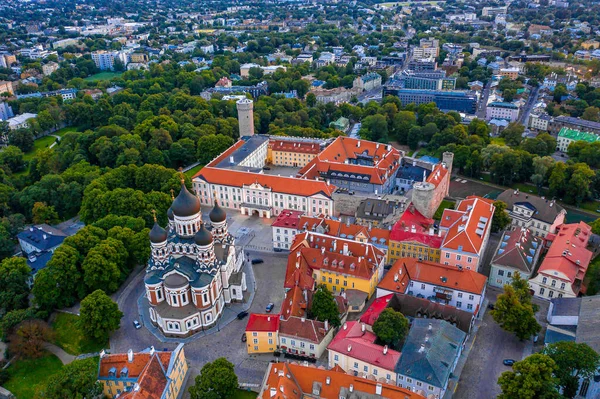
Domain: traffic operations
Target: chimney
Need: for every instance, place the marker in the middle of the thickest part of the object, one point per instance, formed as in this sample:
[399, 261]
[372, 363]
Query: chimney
[351, 389]
[358, 144]
[322, 250]
[345, 249]
[130, 356]
[102, 353]
[328, 380]
[345, 326]
[363, 327]
[385, 350]
[231, 160]
[326, 325]
[430, 327]
[378, 389]
[45, 236]
[302, 319]
[269, 318]
[334, 245]
[396, 277]
[152, 350]
[349, 348]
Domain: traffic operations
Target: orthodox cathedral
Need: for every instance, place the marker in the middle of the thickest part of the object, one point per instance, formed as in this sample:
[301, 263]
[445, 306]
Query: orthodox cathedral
[194, 270]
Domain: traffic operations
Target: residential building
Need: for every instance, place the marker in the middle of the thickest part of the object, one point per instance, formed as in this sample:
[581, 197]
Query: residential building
[355, 351]
[378, 212]
[431, 80]
[414, 307]
[292, 380]
[539, 122]
[510, 73]
[6, 111]
[337, 95]
[429, 357]
[357, 165]
[267, 70]
[367, 82]
[569, 122]
[338, 263]
[447, 100]
[285, 228]
[193, 272]
[563, 269]
[425, 52]
[535, 29]
[104, 60]
[492, 11]
[446, 284]
[576, 320]
[570, 81]
[414, 236]
[262, 333]
[146, 374]
[304, 337]
[590, 44]
[518, 252]
[20, 121]
[302, 58]
[541, 216]
[467, 232]
[140, 58]
[430, 43]
[245, 109]
[422, 64]
[49, 68]
[38, 244]
[292, 151]
[502, 110]
[65, 43]
[6, 87]
[325, 59]
[567, 136]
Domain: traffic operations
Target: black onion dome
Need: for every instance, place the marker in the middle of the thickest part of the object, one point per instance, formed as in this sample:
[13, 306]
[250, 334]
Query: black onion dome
[158, 234]
[170, 214]
[203, 236]
[186, 203]
[217, 215]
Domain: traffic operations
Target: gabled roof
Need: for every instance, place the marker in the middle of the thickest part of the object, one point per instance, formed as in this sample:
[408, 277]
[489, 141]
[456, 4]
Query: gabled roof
[303, 328]
[294, 146]
[355, 341]
[468, 224]
[405, 270]
[43, 237]
[288, 219]
[336, 228]
[544, 210]
[518, 249]
[258, 322]
[414, 227]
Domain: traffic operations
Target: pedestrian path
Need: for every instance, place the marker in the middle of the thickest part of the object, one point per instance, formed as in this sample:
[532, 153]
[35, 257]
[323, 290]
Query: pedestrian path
[64, 357]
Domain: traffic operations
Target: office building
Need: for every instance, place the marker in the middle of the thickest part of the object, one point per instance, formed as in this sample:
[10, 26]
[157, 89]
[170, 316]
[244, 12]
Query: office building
[460, 101]
[502, 110]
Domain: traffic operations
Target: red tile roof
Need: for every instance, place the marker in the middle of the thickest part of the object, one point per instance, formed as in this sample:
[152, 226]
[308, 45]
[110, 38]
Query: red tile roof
[294, 146]
[263, 322]
[568, 253]
[295, 303]
[414, 227]
[411, 269]
[386, 160]
[301, 327]
[352, 341]
[288, 219]
[438, 175]
[372, 313]
[293, 381]
[280, 184]
[468, 224]
[338, 229]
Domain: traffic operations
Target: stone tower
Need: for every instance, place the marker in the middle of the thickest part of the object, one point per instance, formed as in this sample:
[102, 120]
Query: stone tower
[423, 198]
[246, 117]
[447, 159]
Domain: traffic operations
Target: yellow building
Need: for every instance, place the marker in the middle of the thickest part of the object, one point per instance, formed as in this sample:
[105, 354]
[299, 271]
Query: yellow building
[590, 44]
[139, 57]
[261, 333]
[292, 153]
[412, 249]
[123, 374]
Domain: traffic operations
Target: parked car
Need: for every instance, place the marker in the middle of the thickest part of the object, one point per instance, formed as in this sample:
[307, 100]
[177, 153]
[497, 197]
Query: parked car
[270, 307]
[244, 337]
[241, 315]
[491, 306]
[257, 261]
[277, 249]
[266, 168]
[137, 324]
[508, 362]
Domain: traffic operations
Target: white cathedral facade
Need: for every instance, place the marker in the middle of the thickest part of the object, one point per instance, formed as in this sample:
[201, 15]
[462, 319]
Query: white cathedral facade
[193, 271]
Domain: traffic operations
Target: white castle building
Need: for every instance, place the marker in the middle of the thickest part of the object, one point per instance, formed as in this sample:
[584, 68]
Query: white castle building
[194, 270]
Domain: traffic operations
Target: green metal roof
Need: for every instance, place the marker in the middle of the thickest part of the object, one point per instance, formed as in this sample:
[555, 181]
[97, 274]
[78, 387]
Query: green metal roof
[578, 135]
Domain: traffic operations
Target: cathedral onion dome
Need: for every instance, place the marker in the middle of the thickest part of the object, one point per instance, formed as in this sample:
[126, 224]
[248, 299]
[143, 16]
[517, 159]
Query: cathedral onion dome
[158, 234]
[186, 203]
[217, 215]
[203, 236]
[170, 214]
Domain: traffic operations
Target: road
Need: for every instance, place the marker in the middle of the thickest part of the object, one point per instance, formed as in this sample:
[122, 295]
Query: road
[371, 95]
[481, 109]
[524, 116]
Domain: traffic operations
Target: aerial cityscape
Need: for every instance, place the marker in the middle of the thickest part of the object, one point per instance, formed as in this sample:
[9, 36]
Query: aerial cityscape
[337, 199]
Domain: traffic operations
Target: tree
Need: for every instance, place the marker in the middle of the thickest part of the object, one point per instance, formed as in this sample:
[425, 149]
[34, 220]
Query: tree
[591, 114]
[42, 213]
[311, 100]
[21, 138]
[29, 338]
[558, 180]
[374, 128]
[559, 92]
[501, 218]
[514, 311]
[12, 157]
[513, 134]
[75, 380]
[391, 327]
[573, 361]
[14, 290]
[531, 378]
[217, 380]
[324, 306]
[99, 316]
[212, 145]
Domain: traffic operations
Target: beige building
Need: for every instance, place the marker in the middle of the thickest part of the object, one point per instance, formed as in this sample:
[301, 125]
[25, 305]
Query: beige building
[50, 67]
[294, 153]
[6, 87]
[139, 58]
[305, 337]
[511, 73]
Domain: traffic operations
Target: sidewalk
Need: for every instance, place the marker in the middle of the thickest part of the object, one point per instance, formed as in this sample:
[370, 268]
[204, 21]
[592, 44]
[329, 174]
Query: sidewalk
[64, 357]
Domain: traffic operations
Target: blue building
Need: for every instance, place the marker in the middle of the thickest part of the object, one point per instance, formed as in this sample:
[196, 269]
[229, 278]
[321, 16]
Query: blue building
[449, 100]
[38, 244]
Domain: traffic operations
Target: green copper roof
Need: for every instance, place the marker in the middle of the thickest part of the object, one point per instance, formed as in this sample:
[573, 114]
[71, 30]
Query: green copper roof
[578, 135]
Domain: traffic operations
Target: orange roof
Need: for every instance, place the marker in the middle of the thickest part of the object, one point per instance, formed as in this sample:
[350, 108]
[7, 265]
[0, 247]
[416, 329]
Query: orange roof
[406, 270]
[338, 229]
[438, 175]
[294, 303]
[280, 184]
[301, 327]
[468, 224]
[263, 322]
[291, 380]
[340, 155]
[294, 146]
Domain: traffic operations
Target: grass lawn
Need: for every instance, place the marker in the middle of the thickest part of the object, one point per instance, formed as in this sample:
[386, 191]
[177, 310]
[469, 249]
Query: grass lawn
[444, 205]
[42, 142]
[190, 173]
[70, 337]
[26, 376]
[64, 131]
[102, 76]
[242, 394]
[498, 141]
